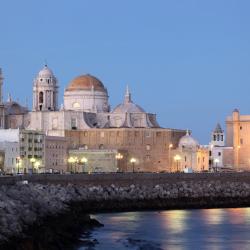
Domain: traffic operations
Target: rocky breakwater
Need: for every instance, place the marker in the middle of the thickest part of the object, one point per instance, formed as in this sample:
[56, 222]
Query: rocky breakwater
[47, 215]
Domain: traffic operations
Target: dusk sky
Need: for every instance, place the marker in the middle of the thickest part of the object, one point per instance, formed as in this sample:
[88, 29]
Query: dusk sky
[186, 61]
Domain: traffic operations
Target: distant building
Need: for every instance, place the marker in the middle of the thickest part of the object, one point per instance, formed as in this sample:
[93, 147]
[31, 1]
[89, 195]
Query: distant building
[55, 154]
[238, 140]
[85, 119]
[189, 156]
[96, 161]
[216, 148]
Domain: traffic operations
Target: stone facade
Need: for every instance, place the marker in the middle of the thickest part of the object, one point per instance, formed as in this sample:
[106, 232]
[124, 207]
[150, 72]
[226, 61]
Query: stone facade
[238, 138]
[150, 147]
[55, 154]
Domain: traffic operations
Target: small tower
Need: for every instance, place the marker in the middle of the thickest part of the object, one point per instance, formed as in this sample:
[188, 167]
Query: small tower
[127, 98]
[45, 91]
[218, 137]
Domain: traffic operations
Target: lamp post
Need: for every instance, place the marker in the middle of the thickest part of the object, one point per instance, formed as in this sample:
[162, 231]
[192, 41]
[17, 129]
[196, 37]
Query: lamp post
[170, 146]
[71, 161]
[216, 164]
[32, 160]
[18, 162]
[83, 161]
[133, 161]
[177, 159]
[37, 165]
[118, 157]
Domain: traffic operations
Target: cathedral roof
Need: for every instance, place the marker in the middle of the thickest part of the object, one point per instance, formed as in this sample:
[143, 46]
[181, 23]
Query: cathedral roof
[128, 106]
[86, 82]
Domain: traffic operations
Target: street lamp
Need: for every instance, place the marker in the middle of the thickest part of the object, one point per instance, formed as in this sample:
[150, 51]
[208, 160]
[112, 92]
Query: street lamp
[170, 146]
[18, 163]
[133, 161]
[118, 157]
[32, 160]
[83, 161]
[216, 162]
[177, 158]
[71, 160]
[37, 165]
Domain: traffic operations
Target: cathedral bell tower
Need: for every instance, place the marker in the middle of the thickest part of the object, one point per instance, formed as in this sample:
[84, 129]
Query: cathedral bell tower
[45, 91]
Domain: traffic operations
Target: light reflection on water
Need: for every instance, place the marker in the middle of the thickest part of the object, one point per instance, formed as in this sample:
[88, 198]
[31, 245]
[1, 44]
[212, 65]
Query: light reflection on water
[214, 229]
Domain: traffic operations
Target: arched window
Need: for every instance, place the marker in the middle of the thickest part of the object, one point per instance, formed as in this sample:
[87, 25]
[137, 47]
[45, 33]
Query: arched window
[41, 97]
[101, 146]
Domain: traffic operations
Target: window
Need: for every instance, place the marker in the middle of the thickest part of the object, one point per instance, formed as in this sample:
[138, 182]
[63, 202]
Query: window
[148, 147]
[147, 133]
[240, 127]
[101, 146]
[76, 105]
[73, 123]
[185, 158]
[221, 137]
[219, 153]
[210, 153]
[214, 137]
[241, 141]
[218, 137]
[41, 97]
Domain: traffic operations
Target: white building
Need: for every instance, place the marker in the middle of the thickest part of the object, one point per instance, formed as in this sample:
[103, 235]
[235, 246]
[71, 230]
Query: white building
[216, 148]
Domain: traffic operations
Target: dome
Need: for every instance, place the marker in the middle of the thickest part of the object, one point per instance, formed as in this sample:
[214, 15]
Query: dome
[45, 72]
[128, 106]
[188, 141]
[86, 82]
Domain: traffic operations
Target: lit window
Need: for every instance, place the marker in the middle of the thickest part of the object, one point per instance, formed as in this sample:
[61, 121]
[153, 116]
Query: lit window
[76, 105]
[148, 147]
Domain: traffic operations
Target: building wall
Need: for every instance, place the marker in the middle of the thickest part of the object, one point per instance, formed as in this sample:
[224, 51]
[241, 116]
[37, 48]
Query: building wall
[99, 160]
[238, 137]
[150, 147]
[55, 153]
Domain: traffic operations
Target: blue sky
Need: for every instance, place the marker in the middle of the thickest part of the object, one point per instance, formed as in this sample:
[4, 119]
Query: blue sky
[187, 61]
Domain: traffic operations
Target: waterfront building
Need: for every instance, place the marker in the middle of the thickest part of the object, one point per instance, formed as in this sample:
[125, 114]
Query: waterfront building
[216, 148]
[23, 150]
[55, 154]
[97, 161]
[86, 119]
[238, 140]
[189, 156]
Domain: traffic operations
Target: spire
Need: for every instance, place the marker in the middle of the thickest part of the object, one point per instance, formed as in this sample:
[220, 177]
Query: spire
[1, 84]
[187, 132]
[9, 98]
[127, 98]
[218, 129]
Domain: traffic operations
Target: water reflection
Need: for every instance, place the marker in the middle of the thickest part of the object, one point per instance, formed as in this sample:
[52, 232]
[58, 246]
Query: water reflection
[216, 229]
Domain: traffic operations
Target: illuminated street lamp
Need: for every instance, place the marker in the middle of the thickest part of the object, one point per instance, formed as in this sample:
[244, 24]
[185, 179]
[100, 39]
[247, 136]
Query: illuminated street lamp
[170, 146]
[18, 163]
[216, 163]
[177, 159]
[83, 161]
[133, 161]
[37, 165]
[118, 157]
[71, 160]
[32, 160]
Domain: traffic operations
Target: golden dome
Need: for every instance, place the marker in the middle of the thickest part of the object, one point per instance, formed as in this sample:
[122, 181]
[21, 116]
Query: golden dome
[85, 82]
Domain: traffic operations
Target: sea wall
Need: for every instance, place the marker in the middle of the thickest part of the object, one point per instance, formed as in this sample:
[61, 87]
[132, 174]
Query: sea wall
[25, 205]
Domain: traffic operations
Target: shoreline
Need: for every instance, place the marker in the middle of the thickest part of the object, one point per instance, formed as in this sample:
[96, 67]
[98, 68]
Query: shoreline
[53, 214]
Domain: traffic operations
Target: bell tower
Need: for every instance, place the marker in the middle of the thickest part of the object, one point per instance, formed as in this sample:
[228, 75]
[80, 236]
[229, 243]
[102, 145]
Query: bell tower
[45, 91]
[218, 137]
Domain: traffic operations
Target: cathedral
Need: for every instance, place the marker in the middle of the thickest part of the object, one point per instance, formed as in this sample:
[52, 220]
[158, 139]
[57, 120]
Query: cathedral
[87, 121]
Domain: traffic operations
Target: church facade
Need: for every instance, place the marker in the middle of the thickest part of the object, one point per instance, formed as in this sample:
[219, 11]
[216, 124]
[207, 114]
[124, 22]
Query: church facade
[87, 122]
